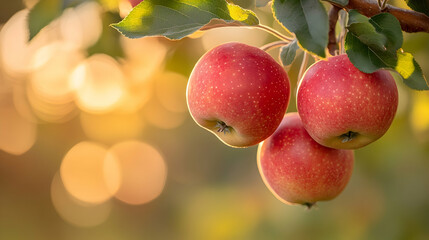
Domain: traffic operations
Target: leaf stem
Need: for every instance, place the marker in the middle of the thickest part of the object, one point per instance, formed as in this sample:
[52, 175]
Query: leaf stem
[217, 24]
[273, 45]
[274, 32]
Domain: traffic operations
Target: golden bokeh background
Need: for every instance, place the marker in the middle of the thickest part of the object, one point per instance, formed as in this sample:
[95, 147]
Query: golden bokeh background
[96, 142]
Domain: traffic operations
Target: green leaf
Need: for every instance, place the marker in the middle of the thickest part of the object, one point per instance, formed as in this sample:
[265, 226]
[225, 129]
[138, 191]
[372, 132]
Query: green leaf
[366, 58]
[261, 3]
[176, 19]
[362, 29]
[419, 5]
[363, 48]
[288, 53]
[42, 14]
[45, 11]
[411, 71]
[340, 2]
[307, 19]
[389, 26]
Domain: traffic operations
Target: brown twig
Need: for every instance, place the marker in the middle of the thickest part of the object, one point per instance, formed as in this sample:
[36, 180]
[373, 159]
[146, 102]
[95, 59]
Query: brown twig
[411, 21]
[333, 18]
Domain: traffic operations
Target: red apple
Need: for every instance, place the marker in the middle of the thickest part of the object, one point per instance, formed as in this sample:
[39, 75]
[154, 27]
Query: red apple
[238, 92]
[297, 169]
[342, 107]
[135, 2]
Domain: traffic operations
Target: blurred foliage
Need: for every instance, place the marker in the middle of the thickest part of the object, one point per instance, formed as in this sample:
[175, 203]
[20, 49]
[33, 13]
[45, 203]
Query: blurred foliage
[64, 89]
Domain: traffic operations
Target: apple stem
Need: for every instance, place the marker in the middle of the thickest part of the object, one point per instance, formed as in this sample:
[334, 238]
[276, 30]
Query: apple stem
[273, 45]
[347, 137]
[309, 204]
[223, 127]
[274, 32]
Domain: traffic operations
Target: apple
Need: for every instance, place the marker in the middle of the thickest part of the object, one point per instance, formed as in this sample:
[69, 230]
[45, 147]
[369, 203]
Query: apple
[239, 93]
[342, 107]
[135, 2]
[297, 169]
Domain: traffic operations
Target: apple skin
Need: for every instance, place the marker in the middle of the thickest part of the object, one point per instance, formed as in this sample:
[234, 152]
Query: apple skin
[298, 170]
[239, 93]
[135, 2]
[342, 107]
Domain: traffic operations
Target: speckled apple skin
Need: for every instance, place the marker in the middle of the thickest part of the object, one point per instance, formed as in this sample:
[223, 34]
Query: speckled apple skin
[334, 97]
[297, 169]
[243, 87]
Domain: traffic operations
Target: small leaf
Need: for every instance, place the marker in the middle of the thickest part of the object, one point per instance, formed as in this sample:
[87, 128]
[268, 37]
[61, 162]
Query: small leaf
[42, 14]
[288, 53]
[176, 19]
[411, 71]
[239, 14]
[340, 2]
[419, 5]
[389, 26]
[307, 19]
[261, 3]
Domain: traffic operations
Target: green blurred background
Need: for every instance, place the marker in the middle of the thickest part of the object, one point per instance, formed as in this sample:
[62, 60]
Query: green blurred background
[96, 143]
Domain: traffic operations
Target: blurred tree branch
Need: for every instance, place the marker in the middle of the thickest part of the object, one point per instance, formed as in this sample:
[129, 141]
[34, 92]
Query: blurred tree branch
[411, 21]
[333, 17]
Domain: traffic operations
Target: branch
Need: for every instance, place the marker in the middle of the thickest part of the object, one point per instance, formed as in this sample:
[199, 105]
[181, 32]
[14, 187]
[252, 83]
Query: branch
[411, 21]
[333, 17]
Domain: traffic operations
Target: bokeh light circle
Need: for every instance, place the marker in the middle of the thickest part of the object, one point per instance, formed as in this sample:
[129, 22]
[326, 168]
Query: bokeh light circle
[75, 212]
[17, 134]
[143, 169]
[90, 173]
[99, 84]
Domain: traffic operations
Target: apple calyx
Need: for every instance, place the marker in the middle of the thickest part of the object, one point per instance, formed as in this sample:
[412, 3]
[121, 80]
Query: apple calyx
[309, 205]
[347, 137]
[222, 127]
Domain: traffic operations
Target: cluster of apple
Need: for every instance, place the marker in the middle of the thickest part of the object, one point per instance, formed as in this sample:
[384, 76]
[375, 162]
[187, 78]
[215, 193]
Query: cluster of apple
[241, 94]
